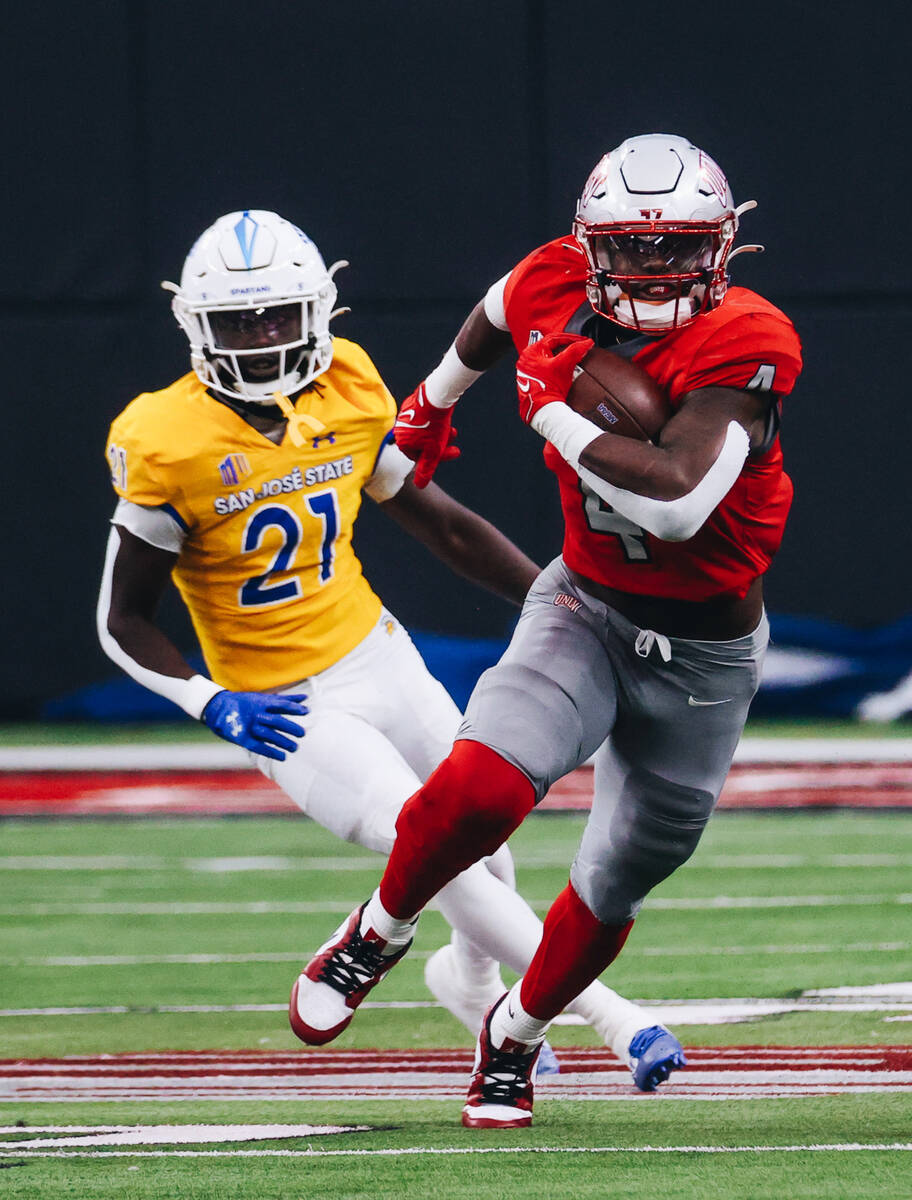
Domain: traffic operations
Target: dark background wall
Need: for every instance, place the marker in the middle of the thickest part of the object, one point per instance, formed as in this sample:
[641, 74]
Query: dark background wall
[433, 145]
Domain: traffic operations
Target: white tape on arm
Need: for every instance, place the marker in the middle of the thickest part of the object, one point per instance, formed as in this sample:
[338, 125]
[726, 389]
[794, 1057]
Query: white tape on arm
[567, 431]
[192, 695]
[678, 520]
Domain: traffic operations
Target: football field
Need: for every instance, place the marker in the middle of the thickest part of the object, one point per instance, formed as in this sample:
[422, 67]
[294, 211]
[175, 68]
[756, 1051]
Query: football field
[155, 941]
[145, 1049]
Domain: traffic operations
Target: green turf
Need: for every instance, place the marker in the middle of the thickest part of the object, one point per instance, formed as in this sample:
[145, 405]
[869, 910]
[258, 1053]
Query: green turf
[559, 1125]
[66, 733]
[771, 947]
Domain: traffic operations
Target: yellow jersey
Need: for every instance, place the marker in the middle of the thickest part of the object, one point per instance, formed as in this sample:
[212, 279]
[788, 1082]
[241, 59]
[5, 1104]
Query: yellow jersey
[267, 568]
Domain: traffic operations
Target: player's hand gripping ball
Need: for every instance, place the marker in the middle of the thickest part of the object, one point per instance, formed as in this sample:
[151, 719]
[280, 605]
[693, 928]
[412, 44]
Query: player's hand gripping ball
[544, 371]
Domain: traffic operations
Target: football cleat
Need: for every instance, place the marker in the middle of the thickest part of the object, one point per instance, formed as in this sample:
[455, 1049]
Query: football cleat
[501, 1091]
[335, 981]
[469, 1003]
[548, 1062]
[653, 1054]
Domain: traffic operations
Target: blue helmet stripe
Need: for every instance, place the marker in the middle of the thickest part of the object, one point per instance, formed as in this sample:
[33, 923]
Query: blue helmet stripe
[246, 231]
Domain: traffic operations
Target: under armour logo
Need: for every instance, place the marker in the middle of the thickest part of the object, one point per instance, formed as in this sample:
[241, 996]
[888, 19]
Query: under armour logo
[233, 721]
[325, 437]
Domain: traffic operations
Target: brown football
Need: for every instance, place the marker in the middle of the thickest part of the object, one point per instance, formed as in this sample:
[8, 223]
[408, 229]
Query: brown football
[619, 396]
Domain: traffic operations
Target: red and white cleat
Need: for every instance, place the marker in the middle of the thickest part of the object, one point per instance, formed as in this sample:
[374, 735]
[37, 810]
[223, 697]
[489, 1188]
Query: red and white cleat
[501, 1091]
[335, 981]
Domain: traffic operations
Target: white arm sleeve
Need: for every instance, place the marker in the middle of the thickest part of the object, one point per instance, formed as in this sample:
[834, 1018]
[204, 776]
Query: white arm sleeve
[192, 695]
[154, 525]
[494, 306]
[678, 520]
[390, 473]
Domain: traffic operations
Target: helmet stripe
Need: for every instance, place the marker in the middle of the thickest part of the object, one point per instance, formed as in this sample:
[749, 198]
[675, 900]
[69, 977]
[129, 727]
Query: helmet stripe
[246, 231]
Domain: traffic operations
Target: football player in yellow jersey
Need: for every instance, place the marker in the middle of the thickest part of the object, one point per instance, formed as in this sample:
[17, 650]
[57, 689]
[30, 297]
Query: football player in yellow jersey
[242, 481]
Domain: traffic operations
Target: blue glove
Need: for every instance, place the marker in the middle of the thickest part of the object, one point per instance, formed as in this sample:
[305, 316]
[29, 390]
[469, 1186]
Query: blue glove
[253, 720]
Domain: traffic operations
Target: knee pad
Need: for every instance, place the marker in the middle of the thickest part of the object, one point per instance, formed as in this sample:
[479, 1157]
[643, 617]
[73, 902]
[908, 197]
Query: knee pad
[654, 827]
[474, 798]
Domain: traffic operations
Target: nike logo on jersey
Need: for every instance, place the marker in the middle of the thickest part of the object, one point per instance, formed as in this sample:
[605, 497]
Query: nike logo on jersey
[695, 703]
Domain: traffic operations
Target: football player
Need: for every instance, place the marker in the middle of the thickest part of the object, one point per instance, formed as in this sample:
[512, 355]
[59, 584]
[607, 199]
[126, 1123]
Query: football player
[644, 641]
[242, 481]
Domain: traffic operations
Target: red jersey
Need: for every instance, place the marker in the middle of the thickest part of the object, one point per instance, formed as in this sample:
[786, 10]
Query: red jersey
[745, 342]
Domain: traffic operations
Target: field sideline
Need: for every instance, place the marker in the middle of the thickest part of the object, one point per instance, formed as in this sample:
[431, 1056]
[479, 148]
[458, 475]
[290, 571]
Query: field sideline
[145, 1051]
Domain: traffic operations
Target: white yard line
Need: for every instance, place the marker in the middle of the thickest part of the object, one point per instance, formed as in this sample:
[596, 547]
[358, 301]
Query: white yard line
[343, 907]
[673, 1011]
[799, 1148]
[215, 866]
[301, 955]
[215, 756]
[335, 864]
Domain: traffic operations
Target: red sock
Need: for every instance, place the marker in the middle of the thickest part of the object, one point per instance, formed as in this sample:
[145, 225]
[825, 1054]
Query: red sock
[469, 806]
[575, 948]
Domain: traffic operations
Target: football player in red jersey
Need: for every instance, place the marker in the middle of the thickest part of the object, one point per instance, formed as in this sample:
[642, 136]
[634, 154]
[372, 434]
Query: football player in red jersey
[643, 642]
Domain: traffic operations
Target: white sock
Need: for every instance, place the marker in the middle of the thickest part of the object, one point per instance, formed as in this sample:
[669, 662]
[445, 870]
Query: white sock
[395, 931]
[511, 1021]
[613, 1018]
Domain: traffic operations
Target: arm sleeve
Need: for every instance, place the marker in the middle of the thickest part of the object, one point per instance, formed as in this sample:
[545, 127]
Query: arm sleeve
[390, 472]
[192, 695]
[159, 525]
[678, 520]
[495, 305]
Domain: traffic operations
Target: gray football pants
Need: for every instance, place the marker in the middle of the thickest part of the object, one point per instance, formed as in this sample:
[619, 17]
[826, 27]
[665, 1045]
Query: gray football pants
[662, 716]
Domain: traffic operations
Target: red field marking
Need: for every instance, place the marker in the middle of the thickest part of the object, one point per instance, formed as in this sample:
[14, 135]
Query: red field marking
[721, 1072]
[222, 793]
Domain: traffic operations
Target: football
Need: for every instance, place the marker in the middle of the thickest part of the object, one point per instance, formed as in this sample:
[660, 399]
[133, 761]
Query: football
[619, 396]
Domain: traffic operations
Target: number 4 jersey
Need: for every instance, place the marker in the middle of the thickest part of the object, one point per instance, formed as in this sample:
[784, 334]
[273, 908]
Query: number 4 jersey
[744, 343]
[265, 565]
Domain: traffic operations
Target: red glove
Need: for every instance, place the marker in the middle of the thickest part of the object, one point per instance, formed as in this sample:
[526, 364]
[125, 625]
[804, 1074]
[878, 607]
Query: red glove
[544, 370]
[424, 434]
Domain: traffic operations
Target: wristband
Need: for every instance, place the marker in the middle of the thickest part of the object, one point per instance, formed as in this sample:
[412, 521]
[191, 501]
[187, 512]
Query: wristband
[448, 380]
[196, 694]
[567, 431]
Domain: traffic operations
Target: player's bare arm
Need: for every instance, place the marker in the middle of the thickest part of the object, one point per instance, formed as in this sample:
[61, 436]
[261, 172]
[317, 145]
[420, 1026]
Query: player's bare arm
[140, 574]
[423, 428]
[479, 343]
[135, 576]
[466, 542]
[686, 449]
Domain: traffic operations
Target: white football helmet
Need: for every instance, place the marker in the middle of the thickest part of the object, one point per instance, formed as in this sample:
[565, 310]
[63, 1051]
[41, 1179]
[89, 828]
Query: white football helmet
[656, 222]
[255, 300]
